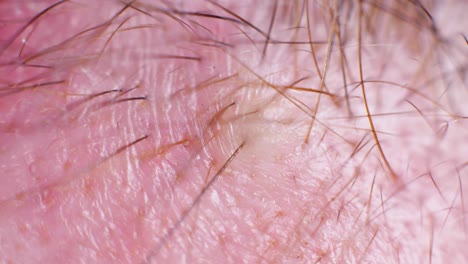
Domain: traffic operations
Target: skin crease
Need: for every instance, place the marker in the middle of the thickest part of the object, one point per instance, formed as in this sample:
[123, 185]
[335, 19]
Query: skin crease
[233, 132]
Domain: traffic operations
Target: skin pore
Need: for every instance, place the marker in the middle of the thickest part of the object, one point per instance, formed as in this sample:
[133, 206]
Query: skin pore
[262, 131]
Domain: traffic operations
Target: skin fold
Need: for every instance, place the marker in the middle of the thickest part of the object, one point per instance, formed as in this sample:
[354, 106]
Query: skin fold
[259, 131]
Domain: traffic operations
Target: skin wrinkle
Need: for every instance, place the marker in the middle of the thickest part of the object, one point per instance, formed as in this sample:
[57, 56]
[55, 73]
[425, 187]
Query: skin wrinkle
[220, 131]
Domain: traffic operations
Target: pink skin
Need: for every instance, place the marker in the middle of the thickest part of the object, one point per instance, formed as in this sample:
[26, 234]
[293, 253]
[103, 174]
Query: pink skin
[156, 133]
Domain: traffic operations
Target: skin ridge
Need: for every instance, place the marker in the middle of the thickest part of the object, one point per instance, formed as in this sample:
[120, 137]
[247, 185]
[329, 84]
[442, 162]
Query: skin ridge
[295, 140]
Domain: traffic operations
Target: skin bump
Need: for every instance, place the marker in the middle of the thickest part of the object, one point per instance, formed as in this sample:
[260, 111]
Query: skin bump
[233, 131]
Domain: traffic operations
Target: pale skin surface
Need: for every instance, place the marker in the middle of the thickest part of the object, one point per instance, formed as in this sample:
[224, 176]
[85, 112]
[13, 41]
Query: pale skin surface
[233, 132]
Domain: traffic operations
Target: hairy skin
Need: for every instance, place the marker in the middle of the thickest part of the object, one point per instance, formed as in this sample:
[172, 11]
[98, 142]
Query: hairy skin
[262, 131]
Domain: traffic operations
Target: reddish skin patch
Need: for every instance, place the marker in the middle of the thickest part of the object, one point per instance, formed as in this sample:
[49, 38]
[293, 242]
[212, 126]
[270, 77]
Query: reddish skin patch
[274, 131]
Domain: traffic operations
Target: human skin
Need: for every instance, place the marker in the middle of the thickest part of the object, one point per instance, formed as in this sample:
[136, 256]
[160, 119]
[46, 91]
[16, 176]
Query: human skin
[233, 131]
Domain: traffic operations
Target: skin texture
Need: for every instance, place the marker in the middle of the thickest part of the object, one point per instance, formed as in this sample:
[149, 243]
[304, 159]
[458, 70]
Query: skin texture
[233, 131]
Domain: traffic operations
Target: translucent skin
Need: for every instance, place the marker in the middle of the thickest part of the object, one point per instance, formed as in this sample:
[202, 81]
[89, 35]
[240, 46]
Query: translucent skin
[233, 132]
